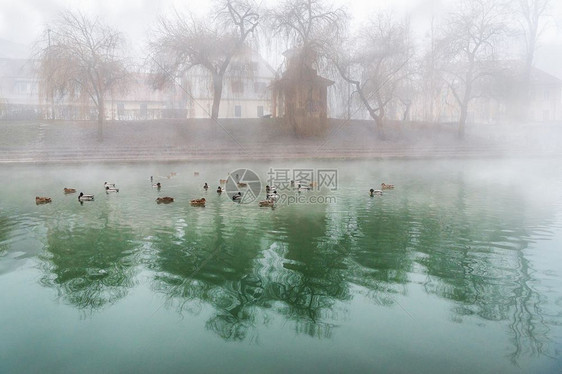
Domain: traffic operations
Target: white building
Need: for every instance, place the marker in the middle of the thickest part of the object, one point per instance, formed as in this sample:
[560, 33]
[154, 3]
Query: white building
[245, 92]
[19, 90]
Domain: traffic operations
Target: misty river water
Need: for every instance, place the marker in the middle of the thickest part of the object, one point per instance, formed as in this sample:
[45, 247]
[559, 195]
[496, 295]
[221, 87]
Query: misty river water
[458, 269]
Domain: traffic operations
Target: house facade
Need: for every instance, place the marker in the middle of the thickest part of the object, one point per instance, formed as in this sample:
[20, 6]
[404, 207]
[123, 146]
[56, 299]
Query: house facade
[19, 90]
[505, 96]
[245, 94]
[545, 97]
[141, 101]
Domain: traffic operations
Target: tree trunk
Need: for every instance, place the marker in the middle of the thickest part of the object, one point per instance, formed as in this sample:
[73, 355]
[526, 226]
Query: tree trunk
[372, 112]
[217, 94]
[466, 98]
[380, 127]
[406, 115]
[101, 118]
[462, 120]
[525, 93]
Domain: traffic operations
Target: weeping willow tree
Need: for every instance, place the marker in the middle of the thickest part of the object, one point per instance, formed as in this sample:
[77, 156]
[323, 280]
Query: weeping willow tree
[80, 60]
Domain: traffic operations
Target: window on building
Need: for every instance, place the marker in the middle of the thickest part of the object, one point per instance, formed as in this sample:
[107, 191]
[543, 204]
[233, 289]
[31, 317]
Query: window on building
[120, 109]
[237, 111]
[260, 111]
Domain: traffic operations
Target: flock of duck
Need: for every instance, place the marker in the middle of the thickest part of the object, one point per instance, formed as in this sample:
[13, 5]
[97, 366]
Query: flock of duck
[271, 194]
[108, 187]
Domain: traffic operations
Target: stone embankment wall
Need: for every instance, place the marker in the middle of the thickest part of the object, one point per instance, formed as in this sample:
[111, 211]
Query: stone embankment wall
[184, 140]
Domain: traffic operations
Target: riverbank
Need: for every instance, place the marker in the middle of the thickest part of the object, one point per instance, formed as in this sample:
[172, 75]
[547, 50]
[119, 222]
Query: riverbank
[227, 139]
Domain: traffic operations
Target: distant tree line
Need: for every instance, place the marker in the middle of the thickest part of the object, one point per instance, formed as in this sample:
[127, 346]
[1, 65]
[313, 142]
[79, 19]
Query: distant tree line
[84, 59]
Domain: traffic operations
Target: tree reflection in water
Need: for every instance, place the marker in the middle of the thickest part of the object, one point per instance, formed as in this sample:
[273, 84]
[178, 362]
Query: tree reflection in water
[378, 251]
[305, 263]
[242, 282]
[4, 233]
[476, 258]
[304, 270]
[470, 253]
[89, 262]
[209, 262]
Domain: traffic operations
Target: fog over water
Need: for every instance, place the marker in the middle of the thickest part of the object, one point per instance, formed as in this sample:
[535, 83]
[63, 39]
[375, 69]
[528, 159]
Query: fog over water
[414, 147]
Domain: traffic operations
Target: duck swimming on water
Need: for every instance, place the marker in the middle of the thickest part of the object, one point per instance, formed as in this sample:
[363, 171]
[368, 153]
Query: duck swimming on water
[373, 192]
[164, 200]
[198, 202]
[83, 197]
[42, 200]
[268, 202]
[272, 196]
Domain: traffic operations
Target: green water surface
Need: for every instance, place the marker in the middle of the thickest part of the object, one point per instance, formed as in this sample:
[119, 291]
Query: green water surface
[456, 270]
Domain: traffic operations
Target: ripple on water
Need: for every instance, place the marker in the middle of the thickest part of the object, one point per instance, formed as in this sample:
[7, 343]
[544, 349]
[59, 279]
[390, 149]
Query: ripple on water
[440, 239]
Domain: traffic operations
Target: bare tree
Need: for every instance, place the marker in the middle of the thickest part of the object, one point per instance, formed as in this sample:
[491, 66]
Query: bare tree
[532, 24]
[80, 58]
[531, 18]
[471, 38]
[430, 82]
[378, 64]
[186, 42]
[309, 24]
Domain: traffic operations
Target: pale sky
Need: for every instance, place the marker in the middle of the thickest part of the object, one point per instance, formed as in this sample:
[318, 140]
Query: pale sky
[21, 21]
